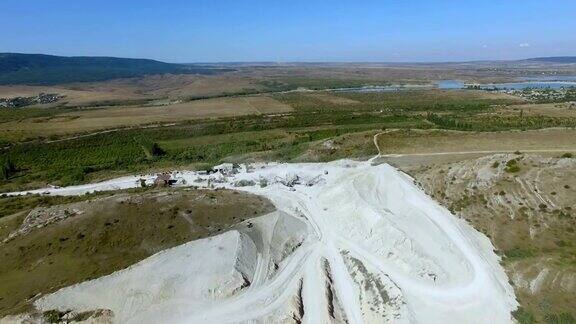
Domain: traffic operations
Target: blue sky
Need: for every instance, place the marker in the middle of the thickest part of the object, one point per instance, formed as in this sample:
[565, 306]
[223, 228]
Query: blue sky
[291, 30]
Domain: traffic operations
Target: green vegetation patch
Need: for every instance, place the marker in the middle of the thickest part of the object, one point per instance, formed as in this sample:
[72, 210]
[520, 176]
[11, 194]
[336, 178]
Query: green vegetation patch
[398, 101]
[523, 316]
[518, 253]
[281, 137]
[206, 142]
[512, 166]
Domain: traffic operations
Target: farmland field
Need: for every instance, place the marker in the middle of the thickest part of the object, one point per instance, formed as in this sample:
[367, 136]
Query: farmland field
[86, 120]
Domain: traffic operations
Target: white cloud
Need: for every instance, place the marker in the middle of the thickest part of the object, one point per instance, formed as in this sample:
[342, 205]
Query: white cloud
[524, 45]
[484, 46]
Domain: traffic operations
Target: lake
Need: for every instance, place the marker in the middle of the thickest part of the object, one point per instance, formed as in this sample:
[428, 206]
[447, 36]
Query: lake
[548, 82]
[537, 82]
[529, 84]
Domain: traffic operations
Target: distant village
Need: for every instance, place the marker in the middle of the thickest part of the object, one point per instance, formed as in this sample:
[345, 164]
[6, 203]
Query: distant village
[567, 95]
[17, 102]
[540, 95]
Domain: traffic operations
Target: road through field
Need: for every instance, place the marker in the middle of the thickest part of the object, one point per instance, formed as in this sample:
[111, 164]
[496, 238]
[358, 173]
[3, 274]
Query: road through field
[437, 145]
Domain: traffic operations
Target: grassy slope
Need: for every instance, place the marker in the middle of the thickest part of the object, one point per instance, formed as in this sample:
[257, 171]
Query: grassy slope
[111, 234]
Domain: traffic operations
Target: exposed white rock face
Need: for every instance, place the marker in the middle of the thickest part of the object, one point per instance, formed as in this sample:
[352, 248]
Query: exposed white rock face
[351, 242]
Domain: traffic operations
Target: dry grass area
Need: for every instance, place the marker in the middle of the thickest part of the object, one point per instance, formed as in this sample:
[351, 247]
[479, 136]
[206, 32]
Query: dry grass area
[549, 109]
[438, 141]
[250, 77]
[117, 117]
[413, 148]
[177, 86]
[353, 145]
[405, 73]
[266, 105]
[186, 85]
[497, 95]
[529, 213]
[102, 235]
[154, 86]
[331, 99]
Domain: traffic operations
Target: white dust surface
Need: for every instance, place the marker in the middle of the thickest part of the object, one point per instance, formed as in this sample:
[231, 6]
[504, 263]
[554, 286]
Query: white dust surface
[350, 242]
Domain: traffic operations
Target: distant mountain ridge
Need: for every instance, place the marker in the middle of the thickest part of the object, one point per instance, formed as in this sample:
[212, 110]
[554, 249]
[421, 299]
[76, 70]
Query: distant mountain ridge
[40, 69]
[554, 59]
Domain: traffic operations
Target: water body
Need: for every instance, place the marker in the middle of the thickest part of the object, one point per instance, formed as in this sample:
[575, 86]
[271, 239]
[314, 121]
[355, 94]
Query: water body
[451, 85]
[557, 82]
[444, 84]
[538, 82]
[529, 85]
[549, 78]
[388, 88]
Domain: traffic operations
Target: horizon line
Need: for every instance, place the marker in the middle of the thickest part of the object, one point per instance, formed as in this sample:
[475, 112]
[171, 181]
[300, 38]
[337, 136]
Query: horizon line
[305, 61]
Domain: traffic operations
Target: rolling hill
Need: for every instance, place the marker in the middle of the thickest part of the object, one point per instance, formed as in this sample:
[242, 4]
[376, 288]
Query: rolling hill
[39, 69]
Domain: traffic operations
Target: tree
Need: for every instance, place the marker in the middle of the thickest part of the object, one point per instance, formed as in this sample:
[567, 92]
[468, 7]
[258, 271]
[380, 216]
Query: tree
[151, 149]
[7, 168]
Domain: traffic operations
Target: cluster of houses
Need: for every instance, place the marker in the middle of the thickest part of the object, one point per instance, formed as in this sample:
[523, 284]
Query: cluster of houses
[544, 95]
[17, 102]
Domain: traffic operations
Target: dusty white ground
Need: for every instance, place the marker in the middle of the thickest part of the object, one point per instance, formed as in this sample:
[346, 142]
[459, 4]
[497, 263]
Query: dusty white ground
[350, 242]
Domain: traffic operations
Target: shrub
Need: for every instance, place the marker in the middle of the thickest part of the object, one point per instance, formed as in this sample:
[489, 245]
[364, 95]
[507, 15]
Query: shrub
[73, 176]
[542, 206]
[567, 155]
[244, 183]
[53, 316]
[151, 149]
[523, 316]
[563, 318]
[263, 182]
[518, 253]
[512, 166]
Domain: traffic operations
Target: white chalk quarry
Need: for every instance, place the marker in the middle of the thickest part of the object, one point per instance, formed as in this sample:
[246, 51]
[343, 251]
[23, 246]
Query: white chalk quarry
[350, 242]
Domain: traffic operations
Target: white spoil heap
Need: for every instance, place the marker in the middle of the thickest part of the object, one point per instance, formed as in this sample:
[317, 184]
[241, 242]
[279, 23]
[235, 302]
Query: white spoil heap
[351, 241]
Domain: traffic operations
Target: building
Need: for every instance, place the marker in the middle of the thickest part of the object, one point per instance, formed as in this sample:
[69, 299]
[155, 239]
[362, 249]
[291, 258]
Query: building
[164, 180]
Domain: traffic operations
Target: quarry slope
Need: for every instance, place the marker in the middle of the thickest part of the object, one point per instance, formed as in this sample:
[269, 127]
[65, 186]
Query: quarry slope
[350, 242]
[528, 213]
